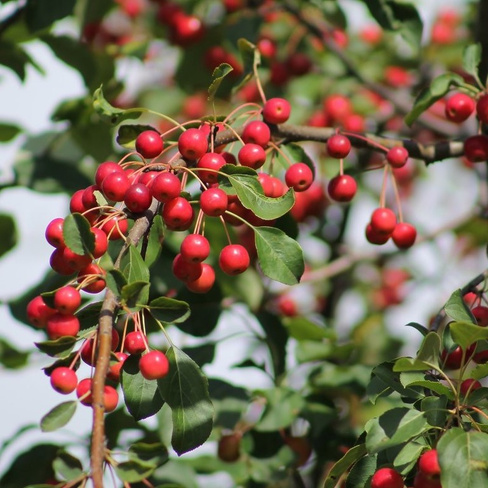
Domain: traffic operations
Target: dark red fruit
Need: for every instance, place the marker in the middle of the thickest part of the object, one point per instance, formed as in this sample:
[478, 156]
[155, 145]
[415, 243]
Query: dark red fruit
[165, 187]
[342, 188]
[186, 270]
[54, 233]
[149, 144]
[178, 214]
[338, 146]
[397, 156]
[469, 385]
[115, 185]
[213, 162]
[193, 144]
[476, 148]
[38, 312]
[404, 235]
[138, 198]
[213, 202]
[374, 237]
[101, 242]
[480, 313]
[252, 156]
[482, 109]
[299, 176]
[104, 170]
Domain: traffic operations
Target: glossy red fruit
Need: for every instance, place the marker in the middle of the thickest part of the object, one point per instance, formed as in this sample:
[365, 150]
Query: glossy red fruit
[165, 187]
[76, 202]
[454, 359]
[115, 185]
[135, 342]
[115, 227]
[146, 178]
[178, 214]
[116, 367]
[75, 261]
[205, 282]
[480, 313]
[101, 242]
[429, 463]
[252, 155]
[105, 169]
[229, 447]
[387, 478]
[93, 278]
[67, 300]
[397, 156]
[186, 270]
[38, 312]
[342, 188]
[476, 148]
[213, 202]
[149, 144]
[468, 386]
[138, 198]
[383, 220]
[193, 144]
[299, 176]
[64, 380]
[338, 146]
[256, 132]
[110, 398]
[276, 111]
[195, 248]
[374, 237]
[186, 30]
[234, 259]
[83, 391]
[88, 198]
[404, 235]
[59, 264]
[154, 365]
[59, 325]
[459, 107]
[54, 233]
[482, 108]
[213, 162]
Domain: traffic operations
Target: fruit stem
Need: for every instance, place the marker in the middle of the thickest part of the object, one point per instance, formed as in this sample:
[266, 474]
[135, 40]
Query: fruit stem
[383, 187]
[397, 194]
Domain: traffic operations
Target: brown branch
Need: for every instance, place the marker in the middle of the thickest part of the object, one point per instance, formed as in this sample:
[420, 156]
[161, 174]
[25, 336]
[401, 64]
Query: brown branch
[105, 323]
[295, 133]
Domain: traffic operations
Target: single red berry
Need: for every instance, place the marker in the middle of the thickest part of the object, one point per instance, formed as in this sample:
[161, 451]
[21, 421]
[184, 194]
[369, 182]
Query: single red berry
[75, 261]
[59, 264]
[54, 233]
[101, 243]
[429, 463]
[342, 188]
[454, 359]
[213, 202]
[476, 148]
[178, 214]
[154, 365]
[354, 123]
[204, 283]
[252, 155]
[92, 277]
[299, 176]
[374, 237]
[138, 198]
[110, 398]
[469, 385]
[383, 221]
[38, 312]
[279, 73]
[298, 64]
[193, 144]
[256, 132]
[104, 170]
[135, 342]
[83, 391]
[459, 107]
[338, 146]
[88, 353]
[186, 30]
[276, 111]
[397, 156]
[480, 313]
[149, 144]
[67, 299]
[116, 367]
[387, 478]
[115, 185]
[88, 198]
[186, 270]
[64, 380]
[76, 202]
[165, 187]
[59, 325]
[267, 47]
[115, 227]
[482, 109]
[404, 235]
[234, 259]
[337, 107]
[213, 162]
[195, 248]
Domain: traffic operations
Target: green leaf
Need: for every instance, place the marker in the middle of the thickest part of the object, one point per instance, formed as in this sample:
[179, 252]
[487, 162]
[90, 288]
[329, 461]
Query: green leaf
[466, 333]
[10, 357]
[59, 348]
[428, 96]
[280, 257]
[169, 310]
[219, 73]
[430, 349]
[407, 458]
[384, 381]
[411, 364]
[135, 293]
[134, 470]
[185, 390]
[301, 328]
[344, 464]
[112, 114]
[154, 241]
[462, 458]
[471, 59]
[134, 267]
[8, 131]
[282, 407]
[435, 410]
[423, 330]
[127, 134]
[401, 17]
[141, 396]
[59, 416]
[40, 14]
[115, 281]
[250, 57]
[457, 310]
[480, 372]
[251, 195]
[77, 234]
[414, 378]
[394, 427]
[66, 466]
[15, 58]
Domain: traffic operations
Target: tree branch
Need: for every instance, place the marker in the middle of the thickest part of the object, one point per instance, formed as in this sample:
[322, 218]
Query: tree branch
[105, 324]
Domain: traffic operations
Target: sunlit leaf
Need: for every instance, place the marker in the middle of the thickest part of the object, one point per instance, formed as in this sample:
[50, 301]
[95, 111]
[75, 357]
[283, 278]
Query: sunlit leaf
[59, 416]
